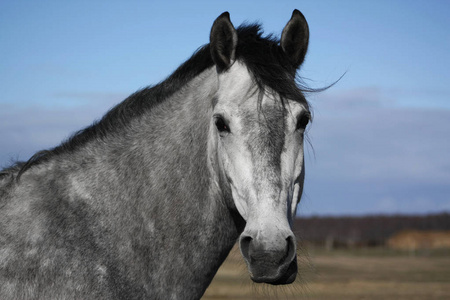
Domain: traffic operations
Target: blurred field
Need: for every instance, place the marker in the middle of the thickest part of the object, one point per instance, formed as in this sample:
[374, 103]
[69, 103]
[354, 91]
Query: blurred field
[344, 274]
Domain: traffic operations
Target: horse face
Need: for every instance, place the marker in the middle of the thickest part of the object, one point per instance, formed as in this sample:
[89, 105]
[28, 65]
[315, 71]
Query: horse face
[260, 154]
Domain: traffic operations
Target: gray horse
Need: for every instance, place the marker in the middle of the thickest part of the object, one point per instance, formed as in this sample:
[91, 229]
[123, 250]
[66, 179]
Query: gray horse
[147, 202]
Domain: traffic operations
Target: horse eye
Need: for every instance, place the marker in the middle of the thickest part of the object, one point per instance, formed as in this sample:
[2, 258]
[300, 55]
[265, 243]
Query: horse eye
[221, 125]
[302, 121]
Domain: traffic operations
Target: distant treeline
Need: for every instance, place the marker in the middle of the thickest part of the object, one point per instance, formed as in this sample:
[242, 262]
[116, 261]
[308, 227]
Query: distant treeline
[363, 231]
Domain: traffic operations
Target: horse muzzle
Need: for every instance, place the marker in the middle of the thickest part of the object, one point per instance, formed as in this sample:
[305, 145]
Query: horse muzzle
[270, 262]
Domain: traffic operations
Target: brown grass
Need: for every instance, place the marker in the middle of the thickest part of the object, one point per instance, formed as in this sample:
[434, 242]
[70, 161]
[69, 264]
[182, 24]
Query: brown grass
[413, 240]
[353, 274]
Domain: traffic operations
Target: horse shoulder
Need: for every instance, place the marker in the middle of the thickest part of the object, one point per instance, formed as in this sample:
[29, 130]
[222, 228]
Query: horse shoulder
[46, 235]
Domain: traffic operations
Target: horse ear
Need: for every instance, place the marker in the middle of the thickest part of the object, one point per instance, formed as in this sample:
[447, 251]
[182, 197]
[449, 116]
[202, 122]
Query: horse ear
[295, 37]
[223, 41]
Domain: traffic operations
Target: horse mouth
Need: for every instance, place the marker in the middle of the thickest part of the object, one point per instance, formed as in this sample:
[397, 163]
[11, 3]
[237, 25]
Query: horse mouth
[284, 274]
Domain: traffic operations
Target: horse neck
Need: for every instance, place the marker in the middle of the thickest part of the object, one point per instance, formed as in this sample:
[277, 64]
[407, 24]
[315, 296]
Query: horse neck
[148, 190]
[166, 173]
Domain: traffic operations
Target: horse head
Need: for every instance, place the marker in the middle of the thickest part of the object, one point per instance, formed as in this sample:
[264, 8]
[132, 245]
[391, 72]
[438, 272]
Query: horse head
[258, 130]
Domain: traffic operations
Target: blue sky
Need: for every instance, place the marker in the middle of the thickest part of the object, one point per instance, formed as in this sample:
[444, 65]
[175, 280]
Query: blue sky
[380, 136]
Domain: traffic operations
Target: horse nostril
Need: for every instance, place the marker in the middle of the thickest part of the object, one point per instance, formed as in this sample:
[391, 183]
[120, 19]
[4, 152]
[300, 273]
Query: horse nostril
[291, 251]
[245, 245]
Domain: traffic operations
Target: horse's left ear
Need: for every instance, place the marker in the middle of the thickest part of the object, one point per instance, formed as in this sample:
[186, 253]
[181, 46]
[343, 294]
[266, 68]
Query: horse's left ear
[223, 41]
[295, 37]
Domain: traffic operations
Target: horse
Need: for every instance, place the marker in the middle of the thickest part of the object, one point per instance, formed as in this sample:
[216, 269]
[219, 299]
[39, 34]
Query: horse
[147, 202]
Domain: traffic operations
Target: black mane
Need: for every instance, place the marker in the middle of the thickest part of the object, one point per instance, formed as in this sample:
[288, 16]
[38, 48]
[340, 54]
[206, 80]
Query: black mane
[263, 57]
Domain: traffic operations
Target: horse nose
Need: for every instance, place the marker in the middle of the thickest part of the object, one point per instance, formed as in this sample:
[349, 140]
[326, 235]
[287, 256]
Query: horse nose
[270, 259]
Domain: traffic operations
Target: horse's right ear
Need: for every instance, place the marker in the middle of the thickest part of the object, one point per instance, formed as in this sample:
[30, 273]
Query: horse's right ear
[223, 42]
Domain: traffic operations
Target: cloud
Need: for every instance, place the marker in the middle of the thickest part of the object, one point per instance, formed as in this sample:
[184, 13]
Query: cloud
[376, 142]
[421, 204]
[374, 156]
[26, 130]
[362, 97]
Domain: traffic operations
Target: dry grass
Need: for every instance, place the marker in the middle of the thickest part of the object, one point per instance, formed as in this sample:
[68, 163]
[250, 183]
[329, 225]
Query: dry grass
[357, 274]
